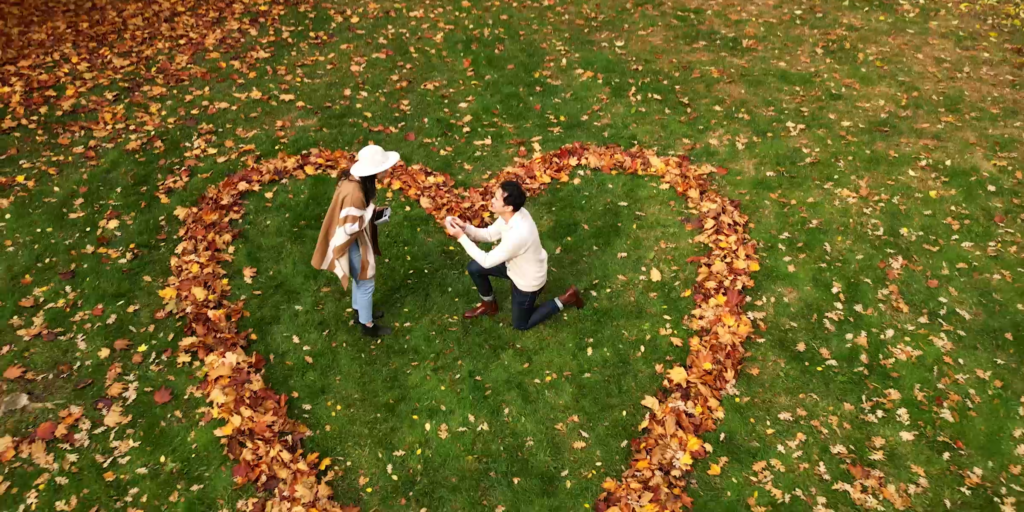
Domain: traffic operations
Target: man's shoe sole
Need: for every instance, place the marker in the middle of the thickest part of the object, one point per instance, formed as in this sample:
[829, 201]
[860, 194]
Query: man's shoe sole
[470, 317]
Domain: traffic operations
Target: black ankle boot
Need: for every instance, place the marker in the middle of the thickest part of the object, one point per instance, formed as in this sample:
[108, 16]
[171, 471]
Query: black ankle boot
[377, 314]
[376, 331]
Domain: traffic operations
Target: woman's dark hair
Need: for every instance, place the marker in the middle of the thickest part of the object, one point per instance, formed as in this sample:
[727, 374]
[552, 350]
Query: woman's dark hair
[369, 186]
[515, 196]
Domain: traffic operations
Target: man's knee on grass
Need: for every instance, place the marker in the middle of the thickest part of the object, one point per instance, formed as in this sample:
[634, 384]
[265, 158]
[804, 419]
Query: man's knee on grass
[475, 268]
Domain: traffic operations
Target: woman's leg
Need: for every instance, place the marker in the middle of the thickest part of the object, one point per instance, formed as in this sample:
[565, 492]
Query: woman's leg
[362, 291]
[362, 300]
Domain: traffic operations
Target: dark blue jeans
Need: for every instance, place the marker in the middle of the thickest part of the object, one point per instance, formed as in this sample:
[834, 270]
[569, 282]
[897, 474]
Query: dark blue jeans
[525, 313]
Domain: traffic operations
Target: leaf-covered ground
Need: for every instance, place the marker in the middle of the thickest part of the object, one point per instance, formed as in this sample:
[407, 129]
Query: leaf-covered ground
[873, 144]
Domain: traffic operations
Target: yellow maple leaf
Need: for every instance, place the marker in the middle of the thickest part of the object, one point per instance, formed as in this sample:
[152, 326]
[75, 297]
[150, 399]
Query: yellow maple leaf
[693, 443]
[225, 430]
[719, 267]
[728, 319]
[715, 470]
[677, 374]
[168, 293]
[651, 402]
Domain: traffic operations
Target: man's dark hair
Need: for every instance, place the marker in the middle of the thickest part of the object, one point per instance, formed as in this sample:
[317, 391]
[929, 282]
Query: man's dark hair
[515, 196]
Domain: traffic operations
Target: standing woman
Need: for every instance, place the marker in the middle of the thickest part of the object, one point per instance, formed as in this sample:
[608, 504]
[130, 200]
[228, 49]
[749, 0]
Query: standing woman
[347, 243]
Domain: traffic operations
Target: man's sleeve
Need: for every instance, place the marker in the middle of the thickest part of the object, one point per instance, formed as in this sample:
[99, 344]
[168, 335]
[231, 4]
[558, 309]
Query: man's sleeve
[489, 234]
[509, 248]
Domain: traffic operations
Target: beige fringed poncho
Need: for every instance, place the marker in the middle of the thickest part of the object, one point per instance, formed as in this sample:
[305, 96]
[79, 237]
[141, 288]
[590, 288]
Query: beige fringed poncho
[348, 220]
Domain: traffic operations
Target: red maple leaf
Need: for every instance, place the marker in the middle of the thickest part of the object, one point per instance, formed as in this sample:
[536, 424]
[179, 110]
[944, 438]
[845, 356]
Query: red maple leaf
[687, 501]
[45, 431]
[162, 395]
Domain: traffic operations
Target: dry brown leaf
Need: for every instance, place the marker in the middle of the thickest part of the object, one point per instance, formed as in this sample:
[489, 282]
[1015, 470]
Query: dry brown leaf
[14, 371]
[655, 275]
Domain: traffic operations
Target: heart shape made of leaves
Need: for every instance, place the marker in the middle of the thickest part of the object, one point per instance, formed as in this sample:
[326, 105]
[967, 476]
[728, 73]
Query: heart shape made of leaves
[266, 443]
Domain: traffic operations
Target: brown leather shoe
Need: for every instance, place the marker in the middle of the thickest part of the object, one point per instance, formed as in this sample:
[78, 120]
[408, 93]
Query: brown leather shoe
[572, 297]
[489, 308]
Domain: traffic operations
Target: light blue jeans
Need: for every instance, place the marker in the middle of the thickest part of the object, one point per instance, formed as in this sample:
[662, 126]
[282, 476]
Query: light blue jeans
[362, 291]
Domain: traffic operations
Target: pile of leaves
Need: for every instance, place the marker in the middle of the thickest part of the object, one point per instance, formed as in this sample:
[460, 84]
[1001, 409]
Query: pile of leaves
[96, 73]
[267, 445]
[1001, 14]
[53, 53]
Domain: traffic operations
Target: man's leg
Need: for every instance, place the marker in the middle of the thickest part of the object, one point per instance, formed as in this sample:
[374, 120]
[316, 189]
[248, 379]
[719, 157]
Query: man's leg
[482, 278]
[526, 316]
[525, 313]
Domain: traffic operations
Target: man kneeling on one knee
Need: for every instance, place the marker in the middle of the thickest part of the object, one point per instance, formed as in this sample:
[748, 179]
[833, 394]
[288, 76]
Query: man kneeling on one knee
[518, 257]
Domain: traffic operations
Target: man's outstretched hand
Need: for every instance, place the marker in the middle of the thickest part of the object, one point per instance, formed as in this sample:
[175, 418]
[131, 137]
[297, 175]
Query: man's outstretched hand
[455, 226]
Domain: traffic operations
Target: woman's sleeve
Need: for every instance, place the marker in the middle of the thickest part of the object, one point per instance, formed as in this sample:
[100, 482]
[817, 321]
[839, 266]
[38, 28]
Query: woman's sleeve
[355, 215]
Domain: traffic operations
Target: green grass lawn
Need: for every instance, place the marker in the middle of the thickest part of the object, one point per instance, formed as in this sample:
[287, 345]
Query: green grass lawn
[874, 146]
[510, 404]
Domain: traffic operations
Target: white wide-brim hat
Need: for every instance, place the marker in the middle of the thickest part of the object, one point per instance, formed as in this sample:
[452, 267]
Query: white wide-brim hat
[373, 160]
